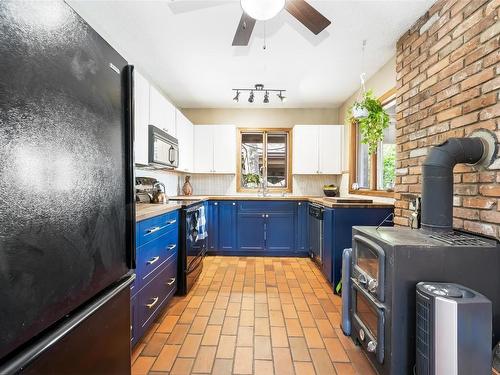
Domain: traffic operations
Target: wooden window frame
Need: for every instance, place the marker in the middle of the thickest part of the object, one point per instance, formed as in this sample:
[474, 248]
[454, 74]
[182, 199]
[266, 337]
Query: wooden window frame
[239, 131]
[353, 157]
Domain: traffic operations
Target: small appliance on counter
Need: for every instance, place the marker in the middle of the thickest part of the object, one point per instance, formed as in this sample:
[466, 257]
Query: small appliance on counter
[150, 190]
[387, 263]
[453, 330]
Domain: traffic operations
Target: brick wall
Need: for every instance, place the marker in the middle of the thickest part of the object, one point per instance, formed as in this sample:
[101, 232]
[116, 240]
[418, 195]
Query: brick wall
[448, 79]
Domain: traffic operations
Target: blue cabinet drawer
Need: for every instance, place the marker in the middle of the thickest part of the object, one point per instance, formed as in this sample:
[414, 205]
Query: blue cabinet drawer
[148, 230]
[266, 206]
[155, 295]
[153, 255]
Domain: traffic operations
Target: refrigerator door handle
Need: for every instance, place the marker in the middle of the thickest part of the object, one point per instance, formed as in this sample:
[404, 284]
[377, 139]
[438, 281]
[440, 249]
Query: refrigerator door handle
[128, 83]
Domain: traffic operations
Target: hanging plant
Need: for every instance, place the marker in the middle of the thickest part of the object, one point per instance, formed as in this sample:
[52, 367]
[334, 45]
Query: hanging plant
[371, 126]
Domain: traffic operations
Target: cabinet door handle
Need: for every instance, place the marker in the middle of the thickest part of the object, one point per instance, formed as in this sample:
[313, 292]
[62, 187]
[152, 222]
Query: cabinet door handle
[172, 280]
[234, 203]
[170, 222]
[152, 304]
[152, 230]
[216, 204]
[267, 215]
[300, 204]
[263, 215]
[172, 246]
[153, 260]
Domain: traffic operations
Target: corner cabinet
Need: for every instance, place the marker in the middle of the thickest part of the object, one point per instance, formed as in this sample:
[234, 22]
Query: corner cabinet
[317, 149]
[215, 149]
[185, 135]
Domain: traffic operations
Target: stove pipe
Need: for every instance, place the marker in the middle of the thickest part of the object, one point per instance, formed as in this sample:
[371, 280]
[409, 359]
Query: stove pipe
[437, 179]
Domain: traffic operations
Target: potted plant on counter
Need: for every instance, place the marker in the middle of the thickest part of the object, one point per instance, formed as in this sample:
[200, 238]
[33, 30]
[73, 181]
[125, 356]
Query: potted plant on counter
[372, 122]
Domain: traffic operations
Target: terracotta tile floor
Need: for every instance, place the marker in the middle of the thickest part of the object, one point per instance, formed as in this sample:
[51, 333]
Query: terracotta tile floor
[252, 316]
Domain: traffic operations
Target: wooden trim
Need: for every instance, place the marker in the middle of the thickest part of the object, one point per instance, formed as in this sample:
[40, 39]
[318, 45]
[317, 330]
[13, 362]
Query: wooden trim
[264, 131]
[353, 155]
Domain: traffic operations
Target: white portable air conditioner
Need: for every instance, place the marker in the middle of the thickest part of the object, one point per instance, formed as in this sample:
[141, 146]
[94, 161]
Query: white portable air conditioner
[454, 330]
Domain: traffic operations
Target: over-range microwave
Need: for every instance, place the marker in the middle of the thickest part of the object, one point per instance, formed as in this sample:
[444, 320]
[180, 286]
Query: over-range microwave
[163, 148]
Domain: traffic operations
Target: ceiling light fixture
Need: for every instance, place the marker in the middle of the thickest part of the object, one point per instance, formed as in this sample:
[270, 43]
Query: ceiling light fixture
[282, 97]
[236, 98]
[259, 88]
[262, 10]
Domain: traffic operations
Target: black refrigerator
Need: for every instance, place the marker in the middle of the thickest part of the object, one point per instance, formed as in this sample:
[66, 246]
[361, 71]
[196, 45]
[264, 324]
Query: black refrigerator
[66, 194]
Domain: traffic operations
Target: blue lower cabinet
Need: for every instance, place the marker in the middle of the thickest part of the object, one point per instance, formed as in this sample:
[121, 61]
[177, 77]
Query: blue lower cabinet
[213, 226]
[328, 248]
[227, 226]
[280, 231]
[251, 232]
[156, 273]
[302, 226]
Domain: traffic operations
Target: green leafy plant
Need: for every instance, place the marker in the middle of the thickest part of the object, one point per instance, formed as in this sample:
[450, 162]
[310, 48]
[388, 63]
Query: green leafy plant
[251, 178]
[371, 126]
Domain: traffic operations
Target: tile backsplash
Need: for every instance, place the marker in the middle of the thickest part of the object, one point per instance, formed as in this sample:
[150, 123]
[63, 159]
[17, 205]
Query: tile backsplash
[218, 184]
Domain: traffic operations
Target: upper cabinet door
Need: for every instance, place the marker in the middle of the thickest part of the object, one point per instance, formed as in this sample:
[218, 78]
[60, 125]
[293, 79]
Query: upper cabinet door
[203, 149]
[185, 137]
[330, 149]
[224, 148]
[305, 149]
[141, 118]
[161, 112]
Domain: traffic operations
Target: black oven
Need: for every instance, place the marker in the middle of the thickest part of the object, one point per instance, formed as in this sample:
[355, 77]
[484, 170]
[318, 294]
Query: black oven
[369, 266]
[368, 321]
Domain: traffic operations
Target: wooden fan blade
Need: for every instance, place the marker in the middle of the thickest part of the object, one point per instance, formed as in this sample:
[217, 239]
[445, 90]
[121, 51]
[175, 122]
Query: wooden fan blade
[244, 31]
[307, 15]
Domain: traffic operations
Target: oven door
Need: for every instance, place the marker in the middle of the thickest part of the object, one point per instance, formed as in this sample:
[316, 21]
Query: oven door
[368, 317]
[369, 265]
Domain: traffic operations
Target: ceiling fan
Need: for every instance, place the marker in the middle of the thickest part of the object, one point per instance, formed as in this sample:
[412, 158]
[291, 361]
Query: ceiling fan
[263, 10]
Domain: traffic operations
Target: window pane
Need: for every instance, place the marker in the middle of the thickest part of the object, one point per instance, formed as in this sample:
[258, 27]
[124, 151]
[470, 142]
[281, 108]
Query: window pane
[277, 160]
[252, 147]
[386, 153]
[364, 165]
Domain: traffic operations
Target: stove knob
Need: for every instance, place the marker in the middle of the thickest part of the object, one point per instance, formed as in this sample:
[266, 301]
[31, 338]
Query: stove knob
[372, 285]
[362, 335]
[371, 346]
[362, 279]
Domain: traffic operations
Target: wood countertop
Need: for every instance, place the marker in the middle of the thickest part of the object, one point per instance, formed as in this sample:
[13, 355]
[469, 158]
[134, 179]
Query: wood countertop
[324, 201]
[145, 211]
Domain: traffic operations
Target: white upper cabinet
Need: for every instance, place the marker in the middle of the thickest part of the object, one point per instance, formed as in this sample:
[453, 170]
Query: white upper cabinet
[203, 149]
[185, 135]
[215, 149]
[330, 149]
[317, 149]
[224, 138]
[141, 118]
[161, 112]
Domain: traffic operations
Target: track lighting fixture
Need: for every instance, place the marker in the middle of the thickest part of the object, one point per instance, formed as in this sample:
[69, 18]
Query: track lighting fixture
[236, 98]
[258, 88]
[281, 97]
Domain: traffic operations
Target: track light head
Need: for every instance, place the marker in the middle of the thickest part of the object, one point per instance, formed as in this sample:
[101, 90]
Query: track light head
[266, 97]
[282, 97]
[236, 98]
[251, 97]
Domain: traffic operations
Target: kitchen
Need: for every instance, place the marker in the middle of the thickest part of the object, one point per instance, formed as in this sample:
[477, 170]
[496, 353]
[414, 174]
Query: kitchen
[182, 197]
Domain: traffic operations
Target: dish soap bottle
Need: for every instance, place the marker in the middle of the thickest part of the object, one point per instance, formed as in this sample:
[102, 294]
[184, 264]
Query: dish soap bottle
[187, 189]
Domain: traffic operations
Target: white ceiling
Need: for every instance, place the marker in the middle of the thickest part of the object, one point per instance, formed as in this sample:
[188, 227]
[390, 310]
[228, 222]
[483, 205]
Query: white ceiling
[184, 46]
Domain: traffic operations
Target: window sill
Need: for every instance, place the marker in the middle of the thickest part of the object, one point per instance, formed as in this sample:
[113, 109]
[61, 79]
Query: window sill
[374, 193]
